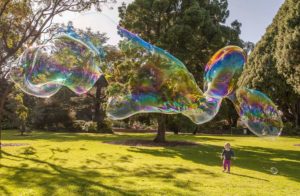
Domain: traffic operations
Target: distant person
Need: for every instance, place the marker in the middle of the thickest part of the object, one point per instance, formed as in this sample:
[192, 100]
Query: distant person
[226, 155]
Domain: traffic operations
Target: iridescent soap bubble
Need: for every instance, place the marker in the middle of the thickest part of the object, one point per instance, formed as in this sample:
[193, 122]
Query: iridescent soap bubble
[274, 170]
[160, 84]
[258, 112]
[223, 70]
[157, 82]
[68, 60]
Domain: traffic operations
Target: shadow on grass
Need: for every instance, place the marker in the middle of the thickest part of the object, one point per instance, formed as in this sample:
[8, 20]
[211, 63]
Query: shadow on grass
[252, 158]
[262, 159]
[200, 138]
[8, 135]
[3, 190]
[51, 179]
[71, 136]
[85, 180]
[246, 176]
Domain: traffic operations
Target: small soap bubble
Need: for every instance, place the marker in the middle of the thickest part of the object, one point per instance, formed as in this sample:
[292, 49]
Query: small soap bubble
[274, 170]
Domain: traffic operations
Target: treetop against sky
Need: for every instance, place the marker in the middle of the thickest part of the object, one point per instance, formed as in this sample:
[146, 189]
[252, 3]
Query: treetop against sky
[255, 16]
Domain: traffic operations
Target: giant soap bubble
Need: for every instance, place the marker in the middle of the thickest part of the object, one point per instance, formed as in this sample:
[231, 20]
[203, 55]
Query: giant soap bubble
[68, 60]
[257, 112]
[160, 84]
[153, 80]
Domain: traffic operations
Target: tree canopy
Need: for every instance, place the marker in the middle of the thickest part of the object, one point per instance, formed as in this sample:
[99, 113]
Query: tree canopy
[190, 30]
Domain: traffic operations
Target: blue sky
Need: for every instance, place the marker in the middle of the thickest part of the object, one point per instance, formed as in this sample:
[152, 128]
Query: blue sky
[255, 16]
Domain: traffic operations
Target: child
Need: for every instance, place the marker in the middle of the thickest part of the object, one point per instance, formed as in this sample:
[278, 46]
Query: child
[226, 155]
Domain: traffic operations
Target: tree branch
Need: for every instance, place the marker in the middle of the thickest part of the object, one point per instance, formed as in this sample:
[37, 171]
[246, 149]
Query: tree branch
[4, 7]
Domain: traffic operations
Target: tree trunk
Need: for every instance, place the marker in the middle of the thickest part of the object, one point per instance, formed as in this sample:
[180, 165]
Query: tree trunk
[161, 130]
[232, 115]
[22, 128]
[196, 130]
[2, 102]
[297, 114]
[99, 111]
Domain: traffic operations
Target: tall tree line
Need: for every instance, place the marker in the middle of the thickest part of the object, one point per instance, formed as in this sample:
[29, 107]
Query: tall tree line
[274, 64]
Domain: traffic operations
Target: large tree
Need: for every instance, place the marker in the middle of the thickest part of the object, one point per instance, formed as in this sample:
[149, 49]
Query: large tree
[191, 30]
[274, 64]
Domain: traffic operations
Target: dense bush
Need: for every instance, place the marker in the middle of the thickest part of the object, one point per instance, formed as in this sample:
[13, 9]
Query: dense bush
[180, 123]
[84, 126]
[289, 129]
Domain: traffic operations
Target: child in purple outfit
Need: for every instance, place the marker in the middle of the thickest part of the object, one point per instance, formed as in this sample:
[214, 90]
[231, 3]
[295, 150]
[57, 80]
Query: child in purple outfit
[226, 155]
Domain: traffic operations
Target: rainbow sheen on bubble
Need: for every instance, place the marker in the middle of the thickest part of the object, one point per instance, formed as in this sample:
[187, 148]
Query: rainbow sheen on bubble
[68, 60]
[158, 81]
[258, 112]
[223, 71]
[162, 84]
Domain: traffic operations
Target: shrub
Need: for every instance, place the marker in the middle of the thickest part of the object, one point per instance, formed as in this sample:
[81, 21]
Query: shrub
[84, 126]
[289, 129]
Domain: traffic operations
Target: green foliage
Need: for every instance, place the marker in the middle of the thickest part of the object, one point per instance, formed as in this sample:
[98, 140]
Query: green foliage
[16, 111]
[190, 30]
[21, 110]
[180, 123]
[273, 66]
[54, 113]
[84, 126]
[22, 24]
[14, 18]
[287, 48]
[289, 129]
[62, 110]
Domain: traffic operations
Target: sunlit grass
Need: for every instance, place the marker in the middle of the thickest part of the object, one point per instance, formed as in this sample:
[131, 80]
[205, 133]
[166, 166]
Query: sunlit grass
[81, 164]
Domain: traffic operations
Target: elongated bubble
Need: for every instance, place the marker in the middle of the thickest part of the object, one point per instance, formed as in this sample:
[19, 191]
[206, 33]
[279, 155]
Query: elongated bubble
[258, 112]
[69, 60]
[143, 78]
[160, 83]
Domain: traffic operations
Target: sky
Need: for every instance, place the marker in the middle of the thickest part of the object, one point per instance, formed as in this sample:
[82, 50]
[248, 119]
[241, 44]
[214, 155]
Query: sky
[255, 16]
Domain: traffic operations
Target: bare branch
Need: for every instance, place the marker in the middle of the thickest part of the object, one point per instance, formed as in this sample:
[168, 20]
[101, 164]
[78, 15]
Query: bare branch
[37, 22]
[3, 8]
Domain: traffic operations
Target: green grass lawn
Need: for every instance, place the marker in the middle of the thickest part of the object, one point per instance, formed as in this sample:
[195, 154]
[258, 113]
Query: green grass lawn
[81, 164]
